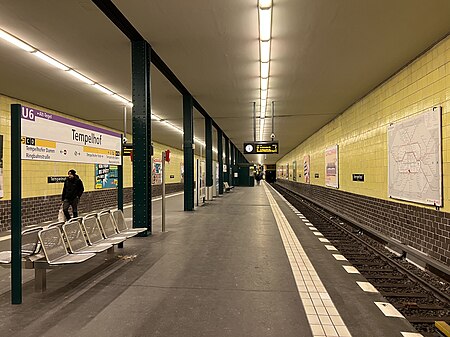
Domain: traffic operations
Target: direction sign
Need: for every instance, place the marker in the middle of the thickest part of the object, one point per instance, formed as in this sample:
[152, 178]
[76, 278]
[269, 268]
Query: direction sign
[260, 147]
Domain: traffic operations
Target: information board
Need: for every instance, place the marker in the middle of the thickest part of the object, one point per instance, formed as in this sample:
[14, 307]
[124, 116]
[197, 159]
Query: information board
[415, 158]
[260, 147]
[50, 137]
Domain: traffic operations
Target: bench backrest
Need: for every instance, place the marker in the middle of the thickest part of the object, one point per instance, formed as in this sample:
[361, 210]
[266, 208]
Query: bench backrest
[30, 241]
[92, 229]
[58, 224]
[107, 223]
[120, 220]
[52, 243]
[74, 235]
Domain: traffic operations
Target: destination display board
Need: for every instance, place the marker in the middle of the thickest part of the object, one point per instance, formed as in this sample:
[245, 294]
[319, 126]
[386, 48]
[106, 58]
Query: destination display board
[51, 137]
[260, 147]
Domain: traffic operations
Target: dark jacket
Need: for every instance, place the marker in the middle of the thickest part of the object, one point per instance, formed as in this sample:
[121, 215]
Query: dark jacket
[73, 188]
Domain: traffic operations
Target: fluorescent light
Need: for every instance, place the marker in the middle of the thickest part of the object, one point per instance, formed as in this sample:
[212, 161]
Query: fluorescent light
[173, 127]
[15, 41]
[265, 3]
[80, 77]
[263, 94]
[264, 69]
[103, 89]
[265, 24]
[50, 60]
[155, 118]
[121, 99]
[261, 128]
[264, 83]
[263, 108]
[265, 51]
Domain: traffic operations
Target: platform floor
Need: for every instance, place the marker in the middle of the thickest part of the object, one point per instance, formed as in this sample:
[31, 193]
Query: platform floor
[244, 264]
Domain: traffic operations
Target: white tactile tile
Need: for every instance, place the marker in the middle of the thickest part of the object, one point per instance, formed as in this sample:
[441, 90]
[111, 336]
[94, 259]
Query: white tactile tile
[388, 309]
[351, 269]
[312, 228]
[339, 257]
[322, 315]
[411, 334]
[330, 247]
[367, 287]
[323, 240]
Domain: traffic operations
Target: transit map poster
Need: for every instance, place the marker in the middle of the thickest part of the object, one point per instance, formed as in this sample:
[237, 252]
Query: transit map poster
[415, 158]
[106, 176]
[332, 167]
[50, 137]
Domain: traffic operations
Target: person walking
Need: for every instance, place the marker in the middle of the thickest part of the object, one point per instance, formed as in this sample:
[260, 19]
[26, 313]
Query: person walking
[71, 194]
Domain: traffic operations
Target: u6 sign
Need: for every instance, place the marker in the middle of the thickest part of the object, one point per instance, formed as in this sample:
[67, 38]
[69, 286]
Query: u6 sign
[51, 137]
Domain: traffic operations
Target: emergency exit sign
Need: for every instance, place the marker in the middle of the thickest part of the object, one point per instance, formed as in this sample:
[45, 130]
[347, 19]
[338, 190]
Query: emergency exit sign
[260, 147]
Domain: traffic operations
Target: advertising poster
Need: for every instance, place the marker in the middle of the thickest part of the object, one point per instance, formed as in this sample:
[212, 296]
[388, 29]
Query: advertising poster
[51, 137]
[306, 164]
[157, 172]
[1, 166]
[287, 172]
[331, 167]
[106, 176]
[294, 170]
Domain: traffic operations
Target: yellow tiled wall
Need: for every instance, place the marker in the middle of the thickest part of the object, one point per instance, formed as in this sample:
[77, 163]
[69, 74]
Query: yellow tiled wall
[361, 130]
[35, 173]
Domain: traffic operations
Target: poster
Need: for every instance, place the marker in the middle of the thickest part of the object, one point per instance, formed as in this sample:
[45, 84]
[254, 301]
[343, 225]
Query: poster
[157, 172]
[294, 170]
[1, 166]
[306, 165]
[415, 158]
[106, 176]
[287, 172]
[331, 167]
[51, 137]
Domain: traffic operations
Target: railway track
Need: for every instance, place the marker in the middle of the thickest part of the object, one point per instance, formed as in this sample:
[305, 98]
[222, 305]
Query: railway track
[421, 301]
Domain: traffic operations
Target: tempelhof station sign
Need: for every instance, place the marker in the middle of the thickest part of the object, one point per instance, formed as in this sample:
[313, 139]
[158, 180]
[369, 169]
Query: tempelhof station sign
[51, 137]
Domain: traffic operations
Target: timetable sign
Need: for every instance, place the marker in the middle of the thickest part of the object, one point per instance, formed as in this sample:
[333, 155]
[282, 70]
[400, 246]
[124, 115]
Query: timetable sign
[260, 147]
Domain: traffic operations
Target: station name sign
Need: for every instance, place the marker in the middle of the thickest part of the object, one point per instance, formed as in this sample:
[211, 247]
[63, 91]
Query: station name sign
[260, 147]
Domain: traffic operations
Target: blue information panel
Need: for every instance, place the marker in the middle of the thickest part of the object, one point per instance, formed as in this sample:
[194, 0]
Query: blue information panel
[106, 176]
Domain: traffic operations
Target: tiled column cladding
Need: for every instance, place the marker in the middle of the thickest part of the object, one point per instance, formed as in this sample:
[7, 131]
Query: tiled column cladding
[425, 229]
[39, 209]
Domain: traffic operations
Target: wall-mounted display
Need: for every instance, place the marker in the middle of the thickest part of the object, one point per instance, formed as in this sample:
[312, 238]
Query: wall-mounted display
[332, 166]
[414, 158]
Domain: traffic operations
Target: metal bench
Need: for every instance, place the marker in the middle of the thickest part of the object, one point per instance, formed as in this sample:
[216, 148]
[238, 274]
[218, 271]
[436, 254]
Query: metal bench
[56, 254]
[227, 187]
[122, 225]
[30, 245]
[77, 242]
[94, 232]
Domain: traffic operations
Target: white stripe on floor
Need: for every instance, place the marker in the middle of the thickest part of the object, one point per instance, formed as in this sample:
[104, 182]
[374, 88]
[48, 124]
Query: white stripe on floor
[322, 315]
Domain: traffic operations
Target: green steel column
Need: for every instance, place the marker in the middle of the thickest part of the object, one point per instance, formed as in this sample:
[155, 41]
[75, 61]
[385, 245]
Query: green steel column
[188, 142]
[226, 175]
[120, 180]
[209, 152]
[142, 136]
[16, 204]
[220, 159]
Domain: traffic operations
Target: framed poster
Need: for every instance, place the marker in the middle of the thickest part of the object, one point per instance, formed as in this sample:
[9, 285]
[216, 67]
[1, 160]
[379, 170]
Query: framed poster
[294, 170]
[306, 165]
[415, 158]
[157, 172]
[332, 166]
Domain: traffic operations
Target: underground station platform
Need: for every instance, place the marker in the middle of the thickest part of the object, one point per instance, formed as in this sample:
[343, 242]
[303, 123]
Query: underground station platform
[245, 264]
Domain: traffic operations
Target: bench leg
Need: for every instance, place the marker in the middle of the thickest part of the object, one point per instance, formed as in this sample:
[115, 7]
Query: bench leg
[40, 280]
[120, 245]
